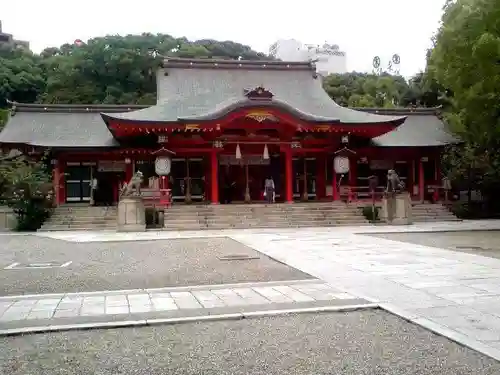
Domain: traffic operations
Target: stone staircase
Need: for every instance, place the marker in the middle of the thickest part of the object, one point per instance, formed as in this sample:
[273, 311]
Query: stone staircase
[238, 216]
[81, 217]
[430, 212]
[423, 212]
[312, 214]
[197, 217]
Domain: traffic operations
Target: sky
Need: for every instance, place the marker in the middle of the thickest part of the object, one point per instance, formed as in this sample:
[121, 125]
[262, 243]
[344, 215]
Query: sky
[362, 28]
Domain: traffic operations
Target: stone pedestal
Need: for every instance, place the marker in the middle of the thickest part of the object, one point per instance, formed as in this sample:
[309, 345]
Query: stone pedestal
[8, 220]
[397, 210]
[131, 215]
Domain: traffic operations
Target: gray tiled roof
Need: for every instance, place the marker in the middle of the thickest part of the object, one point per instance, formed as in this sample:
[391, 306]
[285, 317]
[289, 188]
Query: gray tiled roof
[199, 90]
[423, 127]
[59, 126]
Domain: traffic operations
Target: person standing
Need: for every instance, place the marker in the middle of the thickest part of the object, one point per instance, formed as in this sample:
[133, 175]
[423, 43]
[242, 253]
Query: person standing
[94, 184]
[269, 189]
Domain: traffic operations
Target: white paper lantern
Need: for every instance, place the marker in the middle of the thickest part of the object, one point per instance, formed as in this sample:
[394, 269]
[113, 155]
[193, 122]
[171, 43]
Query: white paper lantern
[163, 165]
[341, 164]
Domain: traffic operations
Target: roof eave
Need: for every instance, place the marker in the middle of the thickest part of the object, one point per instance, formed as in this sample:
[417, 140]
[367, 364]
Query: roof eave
[261, 104]
[74, 108]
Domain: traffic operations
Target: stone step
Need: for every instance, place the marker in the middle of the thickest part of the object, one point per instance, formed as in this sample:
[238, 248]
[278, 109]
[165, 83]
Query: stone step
[442, 210]
[251, 207]
[336, 209]
[436, 219]
[85, 216]
[51, 228]
[250, 224]
[264, 212]
[86, 213]
[84, 208]
[294, 225]
[80, 221]
[434, 216]
[264, 217]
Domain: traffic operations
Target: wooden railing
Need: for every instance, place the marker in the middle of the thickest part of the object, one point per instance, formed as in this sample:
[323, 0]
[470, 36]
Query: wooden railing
[157, 197]
[363, 193]
[359, 193]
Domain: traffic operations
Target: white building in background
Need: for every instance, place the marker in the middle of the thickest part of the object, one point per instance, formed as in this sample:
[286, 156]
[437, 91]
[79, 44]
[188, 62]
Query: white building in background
[328, 57]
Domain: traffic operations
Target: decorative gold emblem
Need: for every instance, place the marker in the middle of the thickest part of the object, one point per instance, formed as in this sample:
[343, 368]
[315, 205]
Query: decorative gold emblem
[261, 116]
[322, 128]
[192, 127]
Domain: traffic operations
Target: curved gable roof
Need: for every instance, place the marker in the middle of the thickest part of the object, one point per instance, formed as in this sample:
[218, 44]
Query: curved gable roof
[192, 89]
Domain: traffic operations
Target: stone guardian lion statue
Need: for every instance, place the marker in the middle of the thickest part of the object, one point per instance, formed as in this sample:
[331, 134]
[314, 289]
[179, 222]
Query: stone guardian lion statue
[133, 187]
[394, 184]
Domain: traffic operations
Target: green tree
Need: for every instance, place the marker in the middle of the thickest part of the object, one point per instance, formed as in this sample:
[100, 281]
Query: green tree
[465, 59]
[366, 90]
[4, 115]
[21, 78]
[121, 70]
[425, 91]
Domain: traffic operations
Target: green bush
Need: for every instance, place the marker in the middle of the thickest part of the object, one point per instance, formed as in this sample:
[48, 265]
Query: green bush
[474, 210]
[31, 214]
[26, 188]
[371, 213]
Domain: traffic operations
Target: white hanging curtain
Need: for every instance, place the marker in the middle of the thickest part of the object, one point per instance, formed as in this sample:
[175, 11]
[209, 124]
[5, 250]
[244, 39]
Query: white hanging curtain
[238, 152]
[265, 156]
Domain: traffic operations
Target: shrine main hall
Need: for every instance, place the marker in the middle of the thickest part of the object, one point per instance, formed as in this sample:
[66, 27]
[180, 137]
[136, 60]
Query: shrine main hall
[228, 122]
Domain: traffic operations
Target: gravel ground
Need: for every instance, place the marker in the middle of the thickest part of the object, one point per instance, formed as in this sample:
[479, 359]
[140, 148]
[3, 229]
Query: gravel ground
[355, 343]
[486, 243]
[131, 265]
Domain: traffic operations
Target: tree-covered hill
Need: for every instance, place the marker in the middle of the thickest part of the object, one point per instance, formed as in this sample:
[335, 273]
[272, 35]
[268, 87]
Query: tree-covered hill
[121, 70]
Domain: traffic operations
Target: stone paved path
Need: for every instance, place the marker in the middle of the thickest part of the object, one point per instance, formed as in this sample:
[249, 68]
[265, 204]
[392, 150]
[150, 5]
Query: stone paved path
[73, 305]
[456, 293]
[453, 293]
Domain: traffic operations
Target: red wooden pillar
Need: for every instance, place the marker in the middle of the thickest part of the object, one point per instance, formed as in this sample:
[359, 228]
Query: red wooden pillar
[56, 175]
[320, 177]
[208, 179]
[421, 182]
[411, 176]
[335, 191]
[353, 178]
[214, 178]
[288, 177]
[437, 178]
[61, 182]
